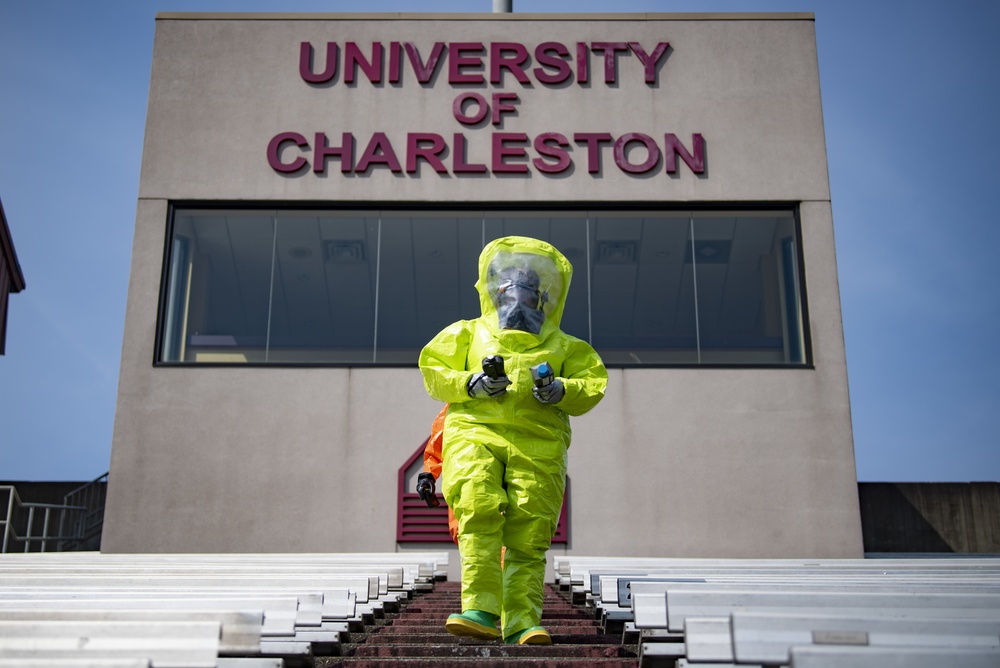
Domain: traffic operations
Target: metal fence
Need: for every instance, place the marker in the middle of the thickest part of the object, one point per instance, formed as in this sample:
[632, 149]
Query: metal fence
[50, 527]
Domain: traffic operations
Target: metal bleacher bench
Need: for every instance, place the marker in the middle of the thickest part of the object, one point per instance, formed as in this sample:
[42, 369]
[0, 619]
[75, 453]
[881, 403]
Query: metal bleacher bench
[812, 613]
[90, 610]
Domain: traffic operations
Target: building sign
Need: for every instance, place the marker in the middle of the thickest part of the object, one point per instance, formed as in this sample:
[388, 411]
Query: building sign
[552, 65]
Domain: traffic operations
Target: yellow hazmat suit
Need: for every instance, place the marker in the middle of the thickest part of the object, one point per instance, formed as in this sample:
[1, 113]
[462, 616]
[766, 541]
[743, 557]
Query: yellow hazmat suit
[504, 467]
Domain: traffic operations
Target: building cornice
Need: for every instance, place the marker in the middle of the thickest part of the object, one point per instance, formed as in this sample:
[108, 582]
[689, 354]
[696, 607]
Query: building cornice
[483, 16]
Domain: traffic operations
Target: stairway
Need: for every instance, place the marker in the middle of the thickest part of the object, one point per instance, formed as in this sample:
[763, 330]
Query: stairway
[415, 637]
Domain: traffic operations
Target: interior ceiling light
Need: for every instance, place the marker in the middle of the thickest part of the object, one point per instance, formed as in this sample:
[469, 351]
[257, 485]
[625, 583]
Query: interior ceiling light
[345, 252]
[617, 252]
[708, 251]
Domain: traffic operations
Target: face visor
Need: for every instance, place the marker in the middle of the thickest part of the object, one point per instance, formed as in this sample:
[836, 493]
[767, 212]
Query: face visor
[519, 306]
[516, 285]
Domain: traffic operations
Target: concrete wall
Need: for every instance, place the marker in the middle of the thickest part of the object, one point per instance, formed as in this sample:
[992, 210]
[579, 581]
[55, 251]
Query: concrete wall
[674, 462]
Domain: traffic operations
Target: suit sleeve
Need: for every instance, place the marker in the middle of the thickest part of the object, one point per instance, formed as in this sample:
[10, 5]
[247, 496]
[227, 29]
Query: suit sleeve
[443, 363]
[584, 377]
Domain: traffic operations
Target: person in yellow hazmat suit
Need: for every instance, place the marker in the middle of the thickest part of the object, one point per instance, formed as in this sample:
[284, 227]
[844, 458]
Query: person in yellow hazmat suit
[506, 432]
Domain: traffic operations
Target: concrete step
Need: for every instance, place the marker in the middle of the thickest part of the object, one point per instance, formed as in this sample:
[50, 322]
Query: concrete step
[495, 650]
[443, 662]
[448, 639]
[553, 629]
[416, 638]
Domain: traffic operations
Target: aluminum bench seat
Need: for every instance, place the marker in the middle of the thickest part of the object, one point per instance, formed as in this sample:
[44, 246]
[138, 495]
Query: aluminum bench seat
[578, 568]
[614, 607]
[671, 609]
[892, 657]
[317, 606]
[389, 577]
[609, 585]
[416, 565]
[768, 637]
[164, 644]
[293, 606]
[564, 564]
[365, 587]
[240, 632]
[581, 575]
[660, 654]
[297, 652]
[76, 662]
[627, 588]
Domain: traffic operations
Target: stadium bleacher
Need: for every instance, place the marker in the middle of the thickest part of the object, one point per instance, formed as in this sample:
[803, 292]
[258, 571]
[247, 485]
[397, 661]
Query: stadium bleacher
[89, 610]
[93, 610]
[816, 613]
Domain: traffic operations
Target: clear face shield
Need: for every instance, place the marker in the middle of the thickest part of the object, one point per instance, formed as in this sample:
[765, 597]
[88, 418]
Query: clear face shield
[520, 284]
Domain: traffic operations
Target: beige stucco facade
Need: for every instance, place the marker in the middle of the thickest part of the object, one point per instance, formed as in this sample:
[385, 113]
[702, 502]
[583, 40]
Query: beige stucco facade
[687, 462]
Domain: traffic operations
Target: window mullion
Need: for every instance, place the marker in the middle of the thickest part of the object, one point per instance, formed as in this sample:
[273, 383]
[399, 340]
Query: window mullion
[270, 293]
[694, 278]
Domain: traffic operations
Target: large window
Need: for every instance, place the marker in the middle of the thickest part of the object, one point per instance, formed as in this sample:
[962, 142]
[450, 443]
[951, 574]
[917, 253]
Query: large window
[362, 287]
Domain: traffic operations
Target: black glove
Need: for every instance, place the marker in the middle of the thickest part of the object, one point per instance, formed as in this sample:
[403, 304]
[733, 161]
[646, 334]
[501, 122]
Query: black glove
[551, 393]
[481, 386]
[425, 490]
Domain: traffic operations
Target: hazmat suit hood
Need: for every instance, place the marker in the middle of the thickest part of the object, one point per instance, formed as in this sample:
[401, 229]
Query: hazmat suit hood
[523, 283]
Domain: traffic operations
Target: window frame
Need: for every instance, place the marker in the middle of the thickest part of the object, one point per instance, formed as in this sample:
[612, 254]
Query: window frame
[173, 206]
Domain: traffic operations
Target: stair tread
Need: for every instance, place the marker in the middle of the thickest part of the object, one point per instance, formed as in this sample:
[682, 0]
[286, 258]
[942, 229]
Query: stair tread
[415, 637]
[447, 638]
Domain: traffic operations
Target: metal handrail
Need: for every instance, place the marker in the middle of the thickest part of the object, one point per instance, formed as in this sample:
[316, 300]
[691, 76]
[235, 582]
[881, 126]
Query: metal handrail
[90, 495]
[63, 526]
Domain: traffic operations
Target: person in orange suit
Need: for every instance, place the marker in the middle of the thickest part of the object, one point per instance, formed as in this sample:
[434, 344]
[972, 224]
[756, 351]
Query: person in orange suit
[432, 470]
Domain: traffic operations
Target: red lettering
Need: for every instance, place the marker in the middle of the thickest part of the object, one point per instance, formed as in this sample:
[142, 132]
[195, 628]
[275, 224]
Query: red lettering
[395, 62]
[500, 105]
[559, 64]
[379, 152]
[673, 147]
[345, 152]
[459, 165]
[274, 152]
[633, 152]
[499, 62]
[551, 144]
[458, 62]
[353, 59]
[593, 140]
[610, 50]
[501, 151]
[467, 62]
[424, 71]
[306, 63]
[431, 154]
[621, 153]
[582, 63]
[457, 108]
[651, 61]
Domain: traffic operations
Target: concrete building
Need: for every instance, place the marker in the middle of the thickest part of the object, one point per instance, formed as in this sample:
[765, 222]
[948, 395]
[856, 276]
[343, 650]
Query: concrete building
[315, 191]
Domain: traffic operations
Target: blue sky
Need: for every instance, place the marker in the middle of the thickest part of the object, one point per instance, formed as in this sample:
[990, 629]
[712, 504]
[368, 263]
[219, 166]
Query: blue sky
[911, 98]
